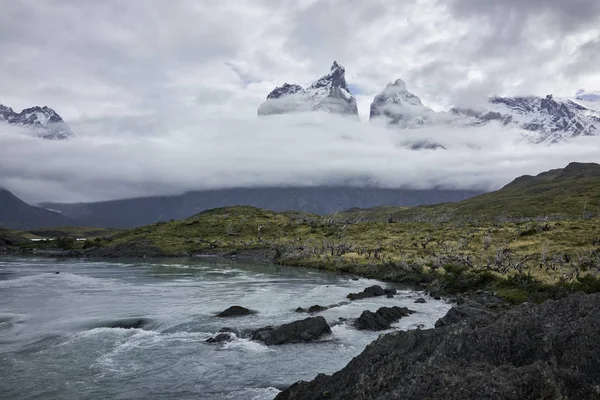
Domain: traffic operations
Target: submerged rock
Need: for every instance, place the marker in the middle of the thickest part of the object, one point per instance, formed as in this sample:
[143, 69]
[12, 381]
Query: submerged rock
[306, 330]
[130, 323]
[381, 319]
[235, 311]
[221, 337]
[547, 351]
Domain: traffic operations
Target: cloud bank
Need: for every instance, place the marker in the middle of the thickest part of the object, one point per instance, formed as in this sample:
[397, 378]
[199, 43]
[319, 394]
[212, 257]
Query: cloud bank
[306, 150]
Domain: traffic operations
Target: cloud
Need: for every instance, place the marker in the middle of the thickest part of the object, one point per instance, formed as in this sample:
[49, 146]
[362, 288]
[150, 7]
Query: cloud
[310, 149]
[163, 95]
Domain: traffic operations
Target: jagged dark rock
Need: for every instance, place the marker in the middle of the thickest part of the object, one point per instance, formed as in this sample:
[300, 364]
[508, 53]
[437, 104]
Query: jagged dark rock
[306, 330]
[546, 351]
[39, 121]
[371, 291]
[329, 93]
[381, 319]
[235, 311]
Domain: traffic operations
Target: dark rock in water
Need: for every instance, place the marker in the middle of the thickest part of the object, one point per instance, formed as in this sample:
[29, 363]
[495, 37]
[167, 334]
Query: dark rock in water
[57, 272]
[372, 291]
[389, 296]
[547, 351]
[420, 300]
[221, 337]
[375, 290]
[235, 311]
[359, 296]
[390, 291]
[316, 308]
[381, 319]
[354, 278]
[133, 323]
[306, 330]
[312, 309]
[437, 297]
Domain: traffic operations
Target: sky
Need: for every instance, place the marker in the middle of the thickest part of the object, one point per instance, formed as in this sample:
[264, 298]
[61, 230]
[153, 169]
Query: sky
[162, 95]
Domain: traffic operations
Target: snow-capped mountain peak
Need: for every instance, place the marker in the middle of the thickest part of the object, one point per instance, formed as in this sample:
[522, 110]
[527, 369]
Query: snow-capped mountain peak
[400, 106]
[329, 93]
[43, 122]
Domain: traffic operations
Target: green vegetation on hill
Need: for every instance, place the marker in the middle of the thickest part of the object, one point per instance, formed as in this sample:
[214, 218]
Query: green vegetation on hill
[536, 238]
[571, 192]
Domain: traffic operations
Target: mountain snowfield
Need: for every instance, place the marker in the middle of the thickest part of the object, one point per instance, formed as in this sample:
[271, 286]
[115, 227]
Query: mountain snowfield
[42, 122]
[543, 119]
[329, 93]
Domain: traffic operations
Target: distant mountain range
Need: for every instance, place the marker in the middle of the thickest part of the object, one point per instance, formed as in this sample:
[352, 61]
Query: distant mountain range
[16, 214]
[42, 122]
[547, 119]
[130, 213]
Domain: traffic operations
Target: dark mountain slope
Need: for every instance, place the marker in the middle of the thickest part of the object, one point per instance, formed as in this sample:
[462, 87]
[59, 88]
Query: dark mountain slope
[135, 212]
[16, 214]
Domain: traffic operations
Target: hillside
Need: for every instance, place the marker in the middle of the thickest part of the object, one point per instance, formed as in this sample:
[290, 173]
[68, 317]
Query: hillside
[16, 214]
[573, 191]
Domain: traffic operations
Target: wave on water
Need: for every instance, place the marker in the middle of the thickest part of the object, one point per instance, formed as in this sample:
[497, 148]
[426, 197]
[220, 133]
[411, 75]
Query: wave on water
[267, 393]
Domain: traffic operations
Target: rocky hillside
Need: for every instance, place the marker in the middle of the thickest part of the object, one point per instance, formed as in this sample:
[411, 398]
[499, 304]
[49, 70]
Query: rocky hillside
[43, 122]
[478, 351]
[329, 93]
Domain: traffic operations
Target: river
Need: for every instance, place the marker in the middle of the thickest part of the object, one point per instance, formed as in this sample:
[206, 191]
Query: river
[55, 343]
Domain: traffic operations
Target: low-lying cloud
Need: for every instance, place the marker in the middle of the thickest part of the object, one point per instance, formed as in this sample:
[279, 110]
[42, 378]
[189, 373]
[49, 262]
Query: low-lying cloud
[113, 160]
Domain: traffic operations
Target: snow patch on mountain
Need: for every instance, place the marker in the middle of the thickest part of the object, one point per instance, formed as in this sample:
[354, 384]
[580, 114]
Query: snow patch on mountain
[38, 121]
[329, 93]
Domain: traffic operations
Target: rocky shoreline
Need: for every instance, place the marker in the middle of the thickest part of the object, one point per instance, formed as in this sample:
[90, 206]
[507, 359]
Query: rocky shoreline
[482, 349]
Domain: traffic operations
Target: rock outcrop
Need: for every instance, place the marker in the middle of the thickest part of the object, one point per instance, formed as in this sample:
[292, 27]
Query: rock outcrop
[43, 122]
[330, 94]
[302, 331]
[381, 319]
[547, 351]
[371, 291]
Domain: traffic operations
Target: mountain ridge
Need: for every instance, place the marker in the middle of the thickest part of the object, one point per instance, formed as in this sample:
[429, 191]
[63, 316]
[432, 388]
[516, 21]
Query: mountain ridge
[42, 122]
[329, 93]
[16, 214]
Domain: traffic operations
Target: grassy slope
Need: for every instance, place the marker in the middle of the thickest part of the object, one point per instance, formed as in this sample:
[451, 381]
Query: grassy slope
[569, 192]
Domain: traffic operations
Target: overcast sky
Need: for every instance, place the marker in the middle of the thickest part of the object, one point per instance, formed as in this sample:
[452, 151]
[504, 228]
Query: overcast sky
[130, 77]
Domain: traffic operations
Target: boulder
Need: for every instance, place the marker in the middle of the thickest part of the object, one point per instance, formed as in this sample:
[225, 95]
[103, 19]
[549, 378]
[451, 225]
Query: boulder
[371, 291]
[381, 319]
[305, 330]
[546, 351]
[235, 311]
[316, 308]
[420, 300]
